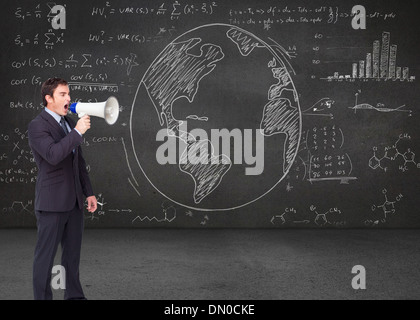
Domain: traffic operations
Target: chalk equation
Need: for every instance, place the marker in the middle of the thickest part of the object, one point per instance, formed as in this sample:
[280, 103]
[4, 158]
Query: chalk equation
[176, 10]
[271, 15]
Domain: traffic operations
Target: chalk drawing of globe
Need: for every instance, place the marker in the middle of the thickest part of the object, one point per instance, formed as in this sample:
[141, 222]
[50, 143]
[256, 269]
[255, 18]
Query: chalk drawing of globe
[216, 78]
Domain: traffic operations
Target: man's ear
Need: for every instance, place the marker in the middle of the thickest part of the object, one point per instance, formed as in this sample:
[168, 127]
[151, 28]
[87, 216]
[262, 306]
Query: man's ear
[49, 98]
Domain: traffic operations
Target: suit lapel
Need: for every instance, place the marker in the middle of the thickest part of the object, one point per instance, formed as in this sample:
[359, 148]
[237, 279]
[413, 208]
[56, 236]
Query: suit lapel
[53, 123]
[57, 128]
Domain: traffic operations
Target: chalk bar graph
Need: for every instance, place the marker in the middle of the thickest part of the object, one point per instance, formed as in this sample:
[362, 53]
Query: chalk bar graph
[380, 64]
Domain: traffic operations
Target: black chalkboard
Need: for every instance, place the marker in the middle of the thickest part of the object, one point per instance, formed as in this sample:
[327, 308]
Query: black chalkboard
[265, 114]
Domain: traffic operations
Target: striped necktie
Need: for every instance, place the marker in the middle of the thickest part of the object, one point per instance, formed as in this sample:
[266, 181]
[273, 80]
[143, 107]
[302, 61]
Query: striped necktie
[63, 125]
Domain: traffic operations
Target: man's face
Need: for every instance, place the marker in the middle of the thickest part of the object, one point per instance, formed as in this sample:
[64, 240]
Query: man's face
[60, 101]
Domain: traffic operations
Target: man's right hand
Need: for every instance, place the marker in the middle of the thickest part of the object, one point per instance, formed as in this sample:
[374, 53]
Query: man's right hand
[83, 124]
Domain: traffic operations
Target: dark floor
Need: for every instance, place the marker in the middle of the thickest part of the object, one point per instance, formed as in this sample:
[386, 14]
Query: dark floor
[227, 264]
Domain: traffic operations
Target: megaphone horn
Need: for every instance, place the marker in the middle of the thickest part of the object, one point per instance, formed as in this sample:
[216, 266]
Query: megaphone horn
[109, 109]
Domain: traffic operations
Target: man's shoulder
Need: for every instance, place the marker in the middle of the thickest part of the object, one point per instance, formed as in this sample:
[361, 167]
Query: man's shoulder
[40, 115]
[40, 119]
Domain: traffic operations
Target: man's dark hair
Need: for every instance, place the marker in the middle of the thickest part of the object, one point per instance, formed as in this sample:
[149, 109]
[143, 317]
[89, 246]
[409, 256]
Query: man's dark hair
[49, 86]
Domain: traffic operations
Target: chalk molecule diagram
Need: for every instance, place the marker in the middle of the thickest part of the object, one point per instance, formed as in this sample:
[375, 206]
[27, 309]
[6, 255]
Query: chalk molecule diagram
[289, 216]
[392, 153]
[386, 208]
[19, 207]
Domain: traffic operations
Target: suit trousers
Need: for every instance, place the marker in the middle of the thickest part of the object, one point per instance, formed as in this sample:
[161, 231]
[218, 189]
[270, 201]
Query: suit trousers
[54, 228]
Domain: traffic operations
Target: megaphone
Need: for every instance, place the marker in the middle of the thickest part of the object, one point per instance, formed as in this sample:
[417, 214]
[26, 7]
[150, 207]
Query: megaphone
[108, 109]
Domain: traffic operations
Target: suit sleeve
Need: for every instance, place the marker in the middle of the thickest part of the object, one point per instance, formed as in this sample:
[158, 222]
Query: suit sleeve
[41, 140]
[84, 176]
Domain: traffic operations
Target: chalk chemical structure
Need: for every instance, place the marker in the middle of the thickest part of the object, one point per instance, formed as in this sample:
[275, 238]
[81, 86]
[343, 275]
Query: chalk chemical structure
[387, 207]
[169, 212]
[290, 216]
[101, 211]
[18, 207]
[392, 153]
[284, 217]
[321, 218]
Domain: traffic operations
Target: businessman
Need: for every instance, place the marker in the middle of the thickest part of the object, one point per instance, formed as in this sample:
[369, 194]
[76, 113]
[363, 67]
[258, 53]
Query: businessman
[61, 188]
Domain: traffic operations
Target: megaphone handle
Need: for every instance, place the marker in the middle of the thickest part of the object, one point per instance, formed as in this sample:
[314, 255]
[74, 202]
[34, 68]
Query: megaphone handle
[81, 114]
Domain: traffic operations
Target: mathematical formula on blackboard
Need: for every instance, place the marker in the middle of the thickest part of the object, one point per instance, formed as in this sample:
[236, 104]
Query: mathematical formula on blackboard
[232, 114]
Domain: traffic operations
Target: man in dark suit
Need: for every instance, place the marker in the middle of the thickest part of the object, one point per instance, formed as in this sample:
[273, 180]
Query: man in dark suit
[61, 187]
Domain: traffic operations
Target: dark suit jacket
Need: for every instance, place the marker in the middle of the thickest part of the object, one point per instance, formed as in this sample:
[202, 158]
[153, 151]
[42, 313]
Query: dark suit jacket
[62, 176]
